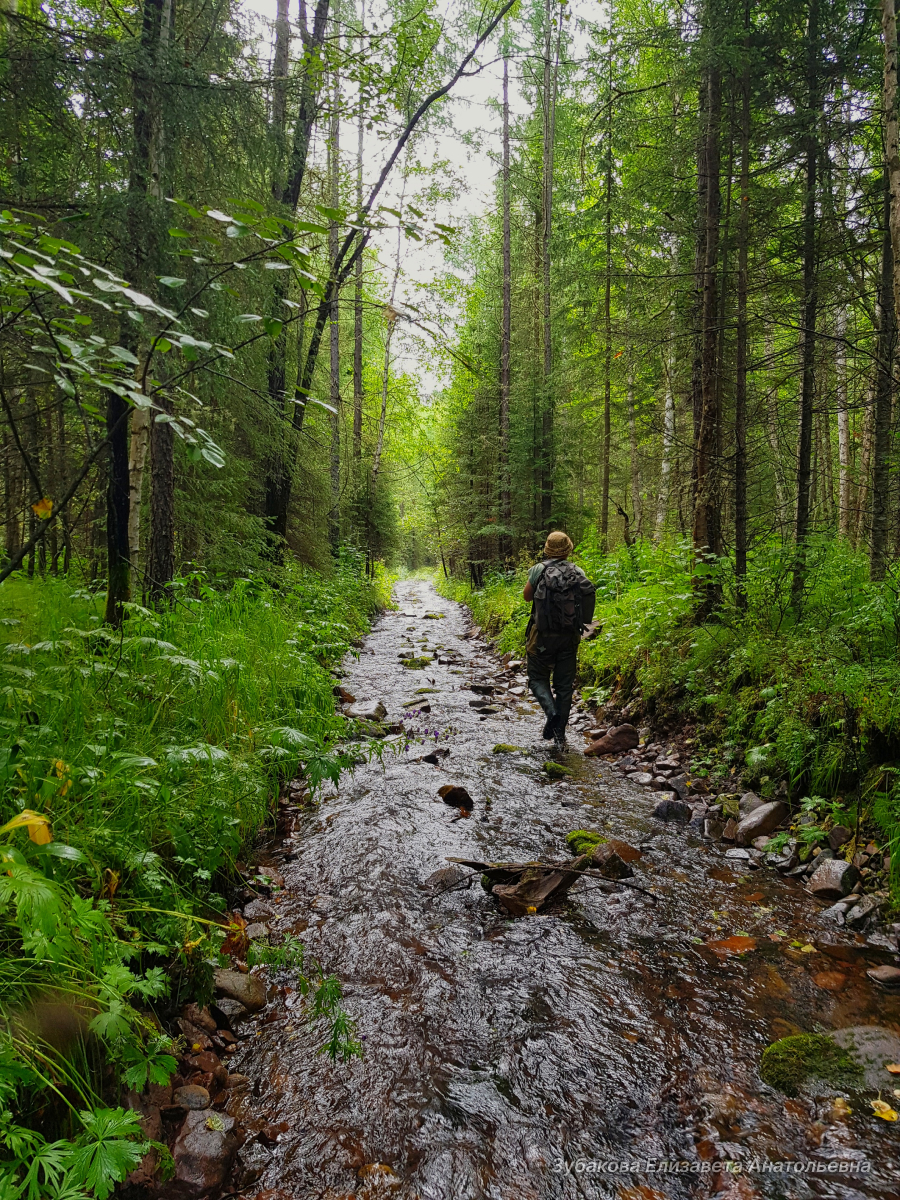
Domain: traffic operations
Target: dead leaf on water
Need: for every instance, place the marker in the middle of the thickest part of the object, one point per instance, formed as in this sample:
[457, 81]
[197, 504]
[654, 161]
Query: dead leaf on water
[883, 1110]
[894, 1068]
[737, 944]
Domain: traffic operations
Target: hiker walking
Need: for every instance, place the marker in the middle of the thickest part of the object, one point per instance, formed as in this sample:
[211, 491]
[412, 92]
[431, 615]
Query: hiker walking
[562, 605]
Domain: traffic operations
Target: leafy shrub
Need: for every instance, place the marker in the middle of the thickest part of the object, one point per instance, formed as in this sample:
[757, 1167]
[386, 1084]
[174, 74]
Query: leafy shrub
[135, 767]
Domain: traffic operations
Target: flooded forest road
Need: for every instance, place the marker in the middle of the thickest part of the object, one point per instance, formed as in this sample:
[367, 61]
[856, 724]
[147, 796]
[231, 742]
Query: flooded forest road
[509, 1058]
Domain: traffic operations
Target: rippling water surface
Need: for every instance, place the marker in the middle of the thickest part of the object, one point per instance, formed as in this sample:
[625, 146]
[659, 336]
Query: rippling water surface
[508, 1058]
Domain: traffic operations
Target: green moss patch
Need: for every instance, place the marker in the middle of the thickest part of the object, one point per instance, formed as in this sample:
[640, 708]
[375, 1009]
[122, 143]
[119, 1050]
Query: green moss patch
[583, 841]
[504, 748]
[788, 1063]
[415, 664]
[557, 771]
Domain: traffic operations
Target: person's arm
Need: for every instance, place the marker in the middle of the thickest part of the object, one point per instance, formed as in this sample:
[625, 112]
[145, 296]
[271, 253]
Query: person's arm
[528, 592]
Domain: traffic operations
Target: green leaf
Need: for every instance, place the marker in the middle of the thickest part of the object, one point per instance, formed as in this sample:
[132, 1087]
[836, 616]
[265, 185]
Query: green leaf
[107, 1152]
[172, 281]
[272, 326]
[123, 355]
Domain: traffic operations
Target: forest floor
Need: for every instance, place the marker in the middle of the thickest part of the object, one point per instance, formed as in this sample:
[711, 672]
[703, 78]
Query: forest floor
[514, 1057]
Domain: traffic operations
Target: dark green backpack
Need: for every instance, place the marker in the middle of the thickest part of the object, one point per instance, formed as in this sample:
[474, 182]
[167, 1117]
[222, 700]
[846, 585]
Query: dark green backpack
[558, 598]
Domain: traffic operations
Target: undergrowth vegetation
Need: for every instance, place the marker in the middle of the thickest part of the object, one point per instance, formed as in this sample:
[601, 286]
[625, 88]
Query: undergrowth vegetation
[135, 768]
[809, 696]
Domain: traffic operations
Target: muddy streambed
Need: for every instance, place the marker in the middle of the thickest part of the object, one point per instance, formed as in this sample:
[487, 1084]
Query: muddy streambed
[510, 1059]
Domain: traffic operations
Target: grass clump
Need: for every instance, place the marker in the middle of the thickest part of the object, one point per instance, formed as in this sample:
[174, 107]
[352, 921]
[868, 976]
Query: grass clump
[787, 1064]
[136, 768]
[584, 841]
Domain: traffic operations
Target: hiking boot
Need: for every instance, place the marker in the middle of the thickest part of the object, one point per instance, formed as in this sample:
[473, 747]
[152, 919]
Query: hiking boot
[549, 728]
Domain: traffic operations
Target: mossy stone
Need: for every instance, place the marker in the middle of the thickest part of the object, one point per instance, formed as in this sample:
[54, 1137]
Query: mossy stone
[557, 770]
[788, 1063]
[415, 664]
[583, 841]
[504, 748]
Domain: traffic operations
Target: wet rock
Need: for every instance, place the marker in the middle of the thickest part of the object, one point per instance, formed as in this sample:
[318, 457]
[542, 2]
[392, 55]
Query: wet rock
[227, 1011]
[835, 913]
[208, 1063]
[557, 771]
[446, 877]
[670, 808]
[760, 821]
[761, 843]
[886, 977]
[667, 763]
[609, 863]
[247, 990]
[483, 689]
[252, 1160]
[839, 836]
[860, 911]
[748, 802]
[200, 1017]
[343, 695]
[738, 853]
[196, 1038]
[626, 852]
[258, 910]
[730, 831]
[256, 930]
[614, 741]
[680, 785]
[833, 879]
[237, 1081]
[203, 1154]
[713, 829]
[787, 863]
[880, 941]
[872, 1046]
[456, 797]
[644, 778]
[191, 1096]
[367, 710]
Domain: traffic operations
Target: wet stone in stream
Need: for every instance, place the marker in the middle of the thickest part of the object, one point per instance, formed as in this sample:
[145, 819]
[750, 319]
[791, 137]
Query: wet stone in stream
[505, 1056]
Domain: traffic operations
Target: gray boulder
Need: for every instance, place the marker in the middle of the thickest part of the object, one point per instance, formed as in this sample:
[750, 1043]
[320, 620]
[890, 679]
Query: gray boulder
[367, 710]
[760, 821]
[670, 808]
[839, 836]
[203, 1154]
[834, 879]
[246, 989]
[748, 802]
[873, 1047]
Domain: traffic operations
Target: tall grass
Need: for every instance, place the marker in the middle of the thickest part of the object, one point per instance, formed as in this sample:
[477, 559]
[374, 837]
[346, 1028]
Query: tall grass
[135, 767]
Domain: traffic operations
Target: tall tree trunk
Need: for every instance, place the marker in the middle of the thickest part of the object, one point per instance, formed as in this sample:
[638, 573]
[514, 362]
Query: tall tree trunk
[137, 458]
[334, 518]
[881, 441]
[892, 141]
[280, 467]
[845, 453]
[706, 514]
[810, 308]
[668, 447]
[358, 269]
[161, 548]
[636, 511]
[740, 390]
[550, 82]
[607, 326]
[505, 332]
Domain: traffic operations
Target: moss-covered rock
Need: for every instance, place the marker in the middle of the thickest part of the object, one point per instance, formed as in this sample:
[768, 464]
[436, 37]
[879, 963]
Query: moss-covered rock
[557, 770]
[415, 664]
[505, 748]
[788, 1063]
[583, 841]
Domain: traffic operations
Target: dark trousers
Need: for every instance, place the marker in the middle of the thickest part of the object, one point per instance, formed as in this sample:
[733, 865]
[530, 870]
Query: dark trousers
[553, 659]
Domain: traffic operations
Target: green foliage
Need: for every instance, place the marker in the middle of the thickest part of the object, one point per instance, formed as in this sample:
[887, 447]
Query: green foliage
[134, 770]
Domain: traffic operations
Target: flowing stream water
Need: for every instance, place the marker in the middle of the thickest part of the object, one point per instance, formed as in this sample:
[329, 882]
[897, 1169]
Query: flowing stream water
[510, 1058]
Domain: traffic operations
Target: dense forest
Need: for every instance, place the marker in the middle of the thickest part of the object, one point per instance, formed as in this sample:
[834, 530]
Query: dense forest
[256, 356]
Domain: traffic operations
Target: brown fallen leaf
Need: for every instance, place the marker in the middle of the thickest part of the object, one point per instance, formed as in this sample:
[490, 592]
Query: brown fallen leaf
[894, 1068]
[732, 945]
